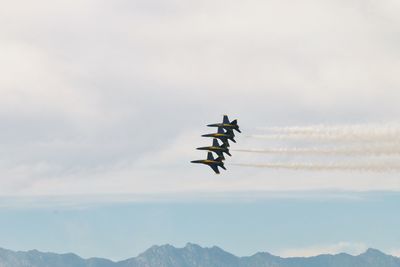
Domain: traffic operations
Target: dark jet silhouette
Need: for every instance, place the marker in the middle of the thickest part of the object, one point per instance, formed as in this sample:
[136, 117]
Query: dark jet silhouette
[217, 149]
[226, 124]
[222, 135]
[213, 163]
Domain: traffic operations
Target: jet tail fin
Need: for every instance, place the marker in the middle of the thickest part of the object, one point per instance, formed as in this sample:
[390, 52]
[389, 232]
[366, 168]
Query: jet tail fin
[234, 122]
[215, 142]
[225, 120]
[210, 156]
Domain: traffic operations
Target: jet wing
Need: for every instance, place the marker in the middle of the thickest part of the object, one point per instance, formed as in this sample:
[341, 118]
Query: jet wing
[215, 168]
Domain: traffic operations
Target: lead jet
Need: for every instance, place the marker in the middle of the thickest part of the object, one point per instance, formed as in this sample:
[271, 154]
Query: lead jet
[210, 161]
[222, 135]
[217, 149]
[226, 124]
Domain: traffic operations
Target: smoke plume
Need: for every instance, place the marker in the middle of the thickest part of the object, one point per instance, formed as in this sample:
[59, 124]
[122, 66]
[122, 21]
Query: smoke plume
[362, 141]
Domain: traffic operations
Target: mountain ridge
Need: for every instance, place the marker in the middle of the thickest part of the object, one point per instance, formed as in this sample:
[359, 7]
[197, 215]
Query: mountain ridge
[193, 255]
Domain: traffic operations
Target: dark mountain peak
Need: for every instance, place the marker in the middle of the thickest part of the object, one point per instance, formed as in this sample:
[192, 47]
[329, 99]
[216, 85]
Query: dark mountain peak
[37, 252]
[162, 247]
[192, 247]
[374, 257]
[158, 250]
[216, 248]
[264, 255]
[372, 252]
[196, 249]
[190, 255]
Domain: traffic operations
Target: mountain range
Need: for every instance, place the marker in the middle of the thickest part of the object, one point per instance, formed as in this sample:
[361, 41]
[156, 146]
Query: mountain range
[193, 255]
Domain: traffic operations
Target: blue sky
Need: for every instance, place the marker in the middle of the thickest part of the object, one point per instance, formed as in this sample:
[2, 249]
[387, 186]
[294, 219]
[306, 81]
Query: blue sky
[300, 225]
[102, 104]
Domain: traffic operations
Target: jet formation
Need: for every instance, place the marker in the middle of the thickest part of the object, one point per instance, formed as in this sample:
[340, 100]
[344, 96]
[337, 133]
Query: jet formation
[225, 133]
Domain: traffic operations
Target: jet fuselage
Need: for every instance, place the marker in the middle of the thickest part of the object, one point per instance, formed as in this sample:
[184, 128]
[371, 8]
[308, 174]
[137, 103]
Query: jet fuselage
[221, 136]
[226, 126]
[214, 164]
[207, 162]
[215, 149]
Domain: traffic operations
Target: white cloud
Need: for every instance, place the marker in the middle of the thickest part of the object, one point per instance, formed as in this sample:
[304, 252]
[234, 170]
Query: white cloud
[395, 252]
[99, 97]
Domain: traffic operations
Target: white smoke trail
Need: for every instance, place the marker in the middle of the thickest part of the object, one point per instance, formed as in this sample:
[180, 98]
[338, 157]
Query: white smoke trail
[340, 151]
[381, 133]
[339, 137]
[381, 168]
[345, 140]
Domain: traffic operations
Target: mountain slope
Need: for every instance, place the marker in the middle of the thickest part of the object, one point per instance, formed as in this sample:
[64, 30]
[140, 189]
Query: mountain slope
[35, 258]
[195, 256]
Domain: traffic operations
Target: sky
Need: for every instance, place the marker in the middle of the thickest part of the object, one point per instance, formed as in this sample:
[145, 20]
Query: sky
[103, 102]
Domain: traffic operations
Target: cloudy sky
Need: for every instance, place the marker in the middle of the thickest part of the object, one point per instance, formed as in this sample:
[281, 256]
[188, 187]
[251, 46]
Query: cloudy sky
[102, 104]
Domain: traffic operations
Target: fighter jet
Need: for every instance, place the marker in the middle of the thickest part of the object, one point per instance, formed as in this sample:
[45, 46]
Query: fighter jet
[230, 131]
[222, 135]
[213, 163]
[226, 124]
[217, 149]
